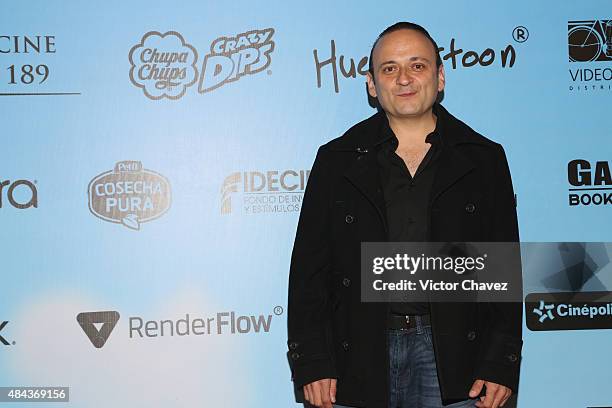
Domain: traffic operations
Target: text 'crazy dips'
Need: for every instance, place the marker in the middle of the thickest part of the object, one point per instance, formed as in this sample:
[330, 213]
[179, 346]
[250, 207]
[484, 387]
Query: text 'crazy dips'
[129, 195]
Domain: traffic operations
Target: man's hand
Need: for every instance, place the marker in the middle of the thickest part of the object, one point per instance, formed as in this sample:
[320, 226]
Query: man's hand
[496, 394]
[321, 393]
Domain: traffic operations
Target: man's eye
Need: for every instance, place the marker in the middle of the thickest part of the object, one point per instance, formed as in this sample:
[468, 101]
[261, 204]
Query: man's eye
[419, 67]
[388, 69]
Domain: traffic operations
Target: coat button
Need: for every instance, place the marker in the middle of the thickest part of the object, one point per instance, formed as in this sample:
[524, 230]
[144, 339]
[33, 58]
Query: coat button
[345, 345]
[471, 335]
[346, 282]
[349, 219]
[512, 357]
[293, 345]
[470, 207]
[295, 356]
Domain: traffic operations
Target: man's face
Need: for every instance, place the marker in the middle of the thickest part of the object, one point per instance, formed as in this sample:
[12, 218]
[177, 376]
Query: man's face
[406, 80]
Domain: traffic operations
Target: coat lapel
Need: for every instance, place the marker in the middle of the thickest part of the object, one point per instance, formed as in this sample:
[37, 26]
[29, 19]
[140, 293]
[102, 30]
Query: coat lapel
[452, 166]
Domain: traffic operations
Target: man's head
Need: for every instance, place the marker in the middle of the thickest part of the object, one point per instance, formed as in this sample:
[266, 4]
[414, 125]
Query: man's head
[405, 72]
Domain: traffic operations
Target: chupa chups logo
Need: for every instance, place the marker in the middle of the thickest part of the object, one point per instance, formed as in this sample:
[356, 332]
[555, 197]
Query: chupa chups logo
[589, 40]
[98, 325]
[591, 183]
[272, 191]
[129, 195]
[568, 311]
[163, 65]
[231, 58]
[12, 195]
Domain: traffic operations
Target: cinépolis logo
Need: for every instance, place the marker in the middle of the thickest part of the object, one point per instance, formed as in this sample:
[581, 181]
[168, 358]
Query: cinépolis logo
[590, 55]
[257, 192]
[591, 183]
[129, 195]
[568, 311]
[20, 194]
[165, 65]
[332, 64]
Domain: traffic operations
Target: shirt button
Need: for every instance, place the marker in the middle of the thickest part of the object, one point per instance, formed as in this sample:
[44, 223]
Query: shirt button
[345, 345]
[346, 282]
[349, 219]
[471, 335]
[295, 356]
[470, 207]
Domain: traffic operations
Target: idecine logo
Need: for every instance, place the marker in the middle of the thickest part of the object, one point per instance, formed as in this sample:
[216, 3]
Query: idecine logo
[589, 43]
[129, 195]
[163, 65]
[505, 57]
[568, 311]
[98, 325]
[591, 183]
[231, 58]
[273, 191]
[21, 194]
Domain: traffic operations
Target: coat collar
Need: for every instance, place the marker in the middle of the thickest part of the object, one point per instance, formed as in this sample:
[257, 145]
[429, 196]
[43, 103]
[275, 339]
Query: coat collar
[364, 139]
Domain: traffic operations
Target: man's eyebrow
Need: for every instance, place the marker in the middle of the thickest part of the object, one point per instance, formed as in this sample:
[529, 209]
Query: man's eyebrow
[411, 59]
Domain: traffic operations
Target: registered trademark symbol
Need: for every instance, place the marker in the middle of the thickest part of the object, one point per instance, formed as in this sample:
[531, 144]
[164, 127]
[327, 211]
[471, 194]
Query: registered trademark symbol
[269, 72]
[520, 34]
[278, 310]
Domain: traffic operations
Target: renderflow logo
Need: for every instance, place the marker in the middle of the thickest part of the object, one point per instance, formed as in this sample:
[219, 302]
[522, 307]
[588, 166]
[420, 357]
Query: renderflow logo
[98, 325]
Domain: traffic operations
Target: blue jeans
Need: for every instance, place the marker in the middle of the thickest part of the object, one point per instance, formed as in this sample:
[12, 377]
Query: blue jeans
[413, 376]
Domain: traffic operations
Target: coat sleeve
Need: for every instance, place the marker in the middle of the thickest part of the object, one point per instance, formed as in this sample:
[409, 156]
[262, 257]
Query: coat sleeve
[309, 311]
[500, 356]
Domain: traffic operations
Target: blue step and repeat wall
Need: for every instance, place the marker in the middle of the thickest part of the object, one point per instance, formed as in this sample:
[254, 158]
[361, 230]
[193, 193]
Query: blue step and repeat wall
[154, 154]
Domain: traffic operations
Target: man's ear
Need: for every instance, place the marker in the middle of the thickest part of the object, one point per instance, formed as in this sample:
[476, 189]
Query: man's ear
[441, 79]
[371, 86]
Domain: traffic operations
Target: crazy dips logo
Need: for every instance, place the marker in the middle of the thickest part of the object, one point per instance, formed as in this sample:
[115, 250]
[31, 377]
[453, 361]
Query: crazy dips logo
[231, 58]
[338, 65]
[568, 311]
[256, 192]
[163, 65]
[591, 183]
[20, 194]
[98, 326]
[589, 44]
[129, 195]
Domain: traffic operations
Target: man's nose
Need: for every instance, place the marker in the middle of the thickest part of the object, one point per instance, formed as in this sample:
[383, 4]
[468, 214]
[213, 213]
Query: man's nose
[404, 76]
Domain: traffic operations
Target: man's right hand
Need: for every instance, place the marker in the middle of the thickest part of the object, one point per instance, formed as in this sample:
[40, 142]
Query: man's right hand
[321, 393]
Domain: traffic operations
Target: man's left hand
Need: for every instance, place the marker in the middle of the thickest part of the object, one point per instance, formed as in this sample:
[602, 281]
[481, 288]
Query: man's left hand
[496, 394]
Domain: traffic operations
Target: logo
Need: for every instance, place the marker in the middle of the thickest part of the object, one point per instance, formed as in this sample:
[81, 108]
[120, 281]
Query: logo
[3, 340]
[273, 191]
[568, 311]
[129, 195]
[163, 65]
[98, 325]
[21, 194]
[231, 58]
[589, 44]
[591, 183]
[504, 57]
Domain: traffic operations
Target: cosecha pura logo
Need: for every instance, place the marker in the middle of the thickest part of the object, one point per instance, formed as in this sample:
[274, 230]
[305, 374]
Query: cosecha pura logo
[165, 65]
[129, 195]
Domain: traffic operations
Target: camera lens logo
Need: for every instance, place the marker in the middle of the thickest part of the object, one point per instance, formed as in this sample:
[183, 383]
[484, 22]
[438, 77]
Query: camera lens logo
[163, 65]
[590, 40]
[98, 325]
[129, 195]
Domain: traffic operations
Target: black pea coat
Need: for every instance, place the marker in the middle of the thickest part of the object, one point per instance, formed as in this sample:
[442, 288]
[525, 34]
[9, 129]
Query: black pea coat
[331, 333]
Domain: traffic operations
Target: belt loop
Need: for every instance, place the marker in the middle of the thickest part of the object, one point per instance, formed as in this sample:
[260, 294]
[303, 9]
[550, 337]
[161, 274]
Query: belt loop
[419, 324]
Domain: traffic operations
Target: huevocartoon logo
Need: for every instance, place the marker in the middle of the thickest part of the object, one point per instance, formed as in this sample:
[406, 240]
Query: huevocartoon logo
[231, 58]
[15, 198]
[273, 191]
[129, 195]
[163, 65]
[590, 183]
[98, 325]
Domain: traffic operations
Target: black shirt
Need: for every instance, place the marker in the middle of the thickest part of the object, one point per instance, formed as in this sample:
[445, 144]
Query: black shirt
[407, 197]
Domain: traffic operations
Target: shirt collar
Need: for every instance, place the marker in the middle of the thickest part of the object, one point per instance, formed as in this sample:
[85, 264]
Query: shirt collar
[436, 137]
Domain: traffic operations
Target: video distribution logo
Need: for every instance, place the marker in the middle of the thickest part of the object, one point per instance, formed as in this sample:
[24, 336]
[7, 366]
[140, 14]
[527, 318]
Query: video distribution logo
[589, 45]
[164, 65]
[98, 326]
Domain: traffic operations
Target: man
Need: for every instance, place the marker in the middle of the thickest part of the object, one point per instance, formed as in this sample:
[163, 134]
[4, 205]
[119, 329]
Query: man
[411, 172]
